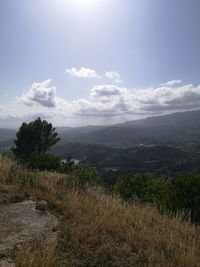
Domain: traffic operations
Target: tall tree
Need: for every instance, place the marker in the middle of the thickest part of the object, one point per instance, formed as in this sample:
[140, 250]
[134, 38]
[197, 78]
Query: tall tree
[34, 137]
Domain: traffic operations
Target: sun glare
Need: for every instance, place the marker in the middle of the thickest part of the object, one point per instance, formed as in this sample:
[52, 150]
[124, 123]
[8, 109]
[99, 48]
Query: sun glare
[86, 3]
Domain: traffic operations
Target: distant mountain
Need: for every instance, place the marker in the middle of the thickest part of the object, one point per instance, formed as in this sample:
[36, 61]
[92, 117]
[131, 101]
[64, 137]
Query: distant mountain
[178, 129]
[180, 120]
[7, 137]
[7, 134]
[162, 145]
[69, 134]
[160, 130]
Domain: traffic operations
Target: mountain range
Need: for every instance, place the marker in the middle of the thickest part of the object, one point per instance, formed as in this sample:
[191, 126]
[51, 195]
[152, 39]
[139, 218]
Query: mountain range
[159, 130]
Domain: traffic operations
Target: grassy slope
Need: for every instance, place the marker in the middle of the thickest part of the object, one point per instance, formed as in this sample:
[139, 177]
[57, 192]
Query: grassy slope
[99, 230]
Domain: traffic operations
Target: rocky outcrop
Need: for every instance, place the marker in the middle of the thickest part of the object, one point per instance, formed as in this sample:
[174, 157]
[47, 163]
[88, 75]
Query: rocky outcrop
[22, 223]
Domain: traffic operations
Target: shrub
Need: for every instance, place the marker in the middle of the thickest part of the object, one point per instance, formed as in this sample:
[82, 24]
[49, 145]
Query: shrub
[180, 195]
[157, 192]
[44, 162]
[131, 187]
[82, 175]
[185, 195]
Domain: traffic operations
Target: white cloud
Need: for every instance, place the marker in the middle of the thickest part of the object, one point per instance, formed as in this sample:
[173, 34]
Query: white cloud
[110, 101]
[114, 76]
[82, 73]
[105, 90]
[171, 83]
[40, 93]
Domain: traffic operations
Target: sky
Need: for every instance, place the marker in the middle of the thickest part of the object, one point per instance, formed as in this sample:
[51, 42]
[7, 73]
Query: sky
[89, 62]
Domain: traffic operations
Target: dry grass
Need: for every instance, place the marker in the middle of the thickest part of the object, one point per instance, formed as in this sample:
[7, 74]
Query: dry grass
[30, 258]
[100, 230]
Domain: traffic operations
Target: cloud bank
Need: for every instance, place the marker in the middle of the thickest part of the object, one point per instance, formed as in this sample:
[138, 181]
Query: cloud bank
[111, 101]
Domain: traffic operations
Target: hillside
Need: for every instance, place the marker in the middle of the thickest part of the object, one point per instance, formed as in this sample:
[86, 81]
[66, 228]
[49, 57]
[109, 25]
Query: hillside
[6, 134]
[95, 228]
[162, 145]
[180, 120]
[177, 129]
[169, 129]
[115, 162]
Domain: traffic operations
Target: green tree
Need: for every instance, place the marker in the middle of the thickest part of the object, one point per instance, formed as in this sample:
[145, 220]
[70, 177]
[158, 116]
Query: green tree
[34, 137]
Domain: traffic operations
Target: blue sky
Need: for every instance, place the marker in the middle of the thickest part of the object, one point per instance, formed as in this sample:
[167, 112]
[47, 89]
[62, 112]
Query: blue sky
[79, 62]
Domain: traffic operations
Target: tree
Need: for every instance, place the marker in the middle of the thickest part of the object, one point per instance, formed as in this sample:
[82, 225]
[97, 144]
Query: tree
[35, 137]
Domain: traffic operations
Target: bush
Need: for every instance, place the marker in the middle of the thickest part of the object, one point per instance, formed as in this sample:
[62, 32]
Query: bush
[157, 192]
[180, 195]
[185, 196]
[131, 187]
[82, 175]
[44, 162]
[68, 166]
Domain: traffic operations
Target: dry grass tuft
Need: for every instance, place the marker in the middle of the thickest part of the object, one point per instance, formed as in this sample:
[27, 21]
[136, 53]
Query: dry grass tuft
[97, 229]
[30, 258]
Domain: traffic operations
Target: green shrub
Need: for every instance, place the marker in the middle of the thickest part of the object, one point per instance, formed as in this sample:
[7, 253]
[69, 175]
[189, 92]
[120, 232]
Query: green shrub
[131, 187]
[82, 175]
[157, 192]
[185, 195]
[180, 195]
[68, 166]
[44, 162]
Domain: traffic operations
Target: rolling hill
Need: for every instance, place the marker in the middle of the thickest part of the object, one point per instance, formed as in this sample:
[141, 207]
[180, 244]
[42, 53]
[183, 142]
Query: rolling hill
[161, 130]
[180, 130]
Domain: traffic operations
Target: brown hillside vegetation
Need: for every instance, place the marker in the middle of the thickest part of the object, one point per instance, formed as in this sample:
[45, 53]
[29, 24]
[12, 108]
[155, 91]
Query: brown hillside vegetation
[96, 229]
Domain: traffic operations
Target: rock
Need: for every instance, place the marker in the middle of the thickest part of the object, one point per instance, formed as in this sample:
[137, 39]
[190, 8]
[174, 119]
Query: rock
[20, 223]
[7, 263]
